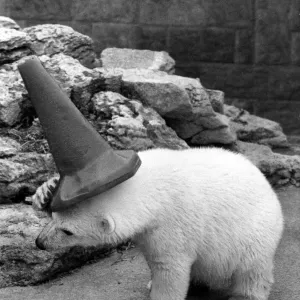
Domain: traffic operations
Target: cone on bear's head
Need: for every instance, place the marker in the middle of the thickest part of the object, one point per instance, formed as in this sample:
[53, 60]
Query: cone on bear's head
[86, 163]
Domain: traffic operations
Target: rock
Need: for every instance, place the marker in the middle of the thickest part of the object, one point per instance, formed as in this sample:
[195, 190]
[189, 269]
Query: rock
[8, 147]
[279, 169]
[137, 59]
[13, 105]
[213, 136]
[253, 129]
[14, 44]
[217, 100]
[182, 102]
[79, 82]
[127, 124]
[74, 79]
[112, 79]
[21, 174]
[30, 139]
[6, 22]
[51, 39]
[124, 123]
[21, 262]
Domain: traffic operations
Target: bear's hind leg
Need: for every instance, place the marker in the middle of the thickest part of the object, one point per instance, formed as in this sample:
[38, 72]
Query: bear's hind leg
[254, 284]
[170, 281]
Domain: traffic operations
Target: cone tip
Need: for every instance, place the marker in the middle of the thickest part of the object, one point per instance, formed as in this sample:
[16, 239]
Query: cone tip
[27, 60]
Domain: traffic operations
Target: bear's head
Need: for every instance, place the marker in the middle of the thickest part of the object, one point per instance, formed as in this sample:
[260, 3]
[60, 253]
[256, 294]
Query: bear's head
[83, 224]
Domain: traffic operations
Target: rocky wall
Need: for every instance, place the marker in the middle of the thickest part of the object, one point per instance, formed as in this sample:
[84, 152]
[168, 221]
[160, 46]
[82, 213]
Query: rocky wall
[247, 48]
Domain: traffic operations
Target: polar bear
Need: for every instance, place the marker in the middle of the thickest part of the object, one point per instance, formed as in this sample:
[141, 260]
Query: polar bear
[204, 214]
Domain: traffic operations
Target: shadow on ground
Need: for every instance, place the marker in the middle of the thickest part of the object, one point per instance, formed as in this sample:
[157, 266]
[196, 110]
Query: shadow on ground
[125, 276]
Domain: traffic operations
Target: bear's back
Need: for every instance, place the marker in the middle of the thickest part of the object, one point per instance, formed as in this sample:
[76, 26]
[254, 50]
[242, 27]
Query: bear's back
[216, 187]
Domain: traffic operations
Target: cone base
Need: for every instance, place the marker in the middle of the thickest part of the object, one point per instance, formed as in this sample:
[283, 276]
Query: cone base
[107, 171]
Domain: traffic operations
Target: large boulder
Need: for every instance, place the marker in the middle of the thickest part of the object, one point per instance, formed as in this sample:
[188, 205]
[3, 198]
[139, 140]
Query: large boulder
[183, 102]
[137, 59]
[253, 129]
[50, 39]
[129, 124]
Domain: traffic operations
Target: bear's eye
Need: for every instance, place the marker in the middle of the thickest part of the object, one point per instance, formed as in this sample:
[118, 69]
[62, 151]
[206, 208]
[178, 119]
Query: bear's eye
[67, 232]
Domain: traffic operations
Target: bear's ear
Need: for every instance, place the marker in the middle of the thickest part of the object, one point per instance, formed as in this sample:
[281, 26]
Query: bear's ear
[106, 224]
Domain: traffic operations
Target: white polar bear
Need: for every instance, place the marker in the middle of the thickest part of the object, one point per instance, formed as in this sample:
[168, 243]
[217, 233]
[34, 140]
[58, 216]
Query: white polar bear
[203, 214]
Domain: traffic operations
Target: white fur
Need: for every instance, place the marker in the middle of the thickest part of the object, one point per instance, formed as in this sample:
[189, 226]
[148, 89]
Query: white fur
[208, 214]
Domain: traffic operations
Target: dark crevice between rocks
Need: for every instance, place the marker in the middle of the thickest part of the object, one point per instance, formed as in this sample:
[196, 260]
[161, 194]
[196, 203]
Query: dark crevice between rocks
[132, 107]
[19, 196]
[24, 51]
[96, 86]
[237, 119]
[131, 94]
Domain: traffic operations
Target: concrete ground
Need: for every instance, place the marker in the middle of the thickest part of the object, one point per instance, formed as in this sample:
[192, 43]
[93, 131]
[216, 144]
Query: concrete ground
[125, 276]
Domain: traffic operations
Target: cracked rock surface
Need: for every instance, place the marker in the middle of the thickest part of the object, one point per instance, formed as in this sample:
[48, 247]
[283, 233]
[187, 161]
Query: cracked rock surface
[21, 262]
[128, 123]
[6, 22]
[14, 44]
[52, 39]
[137, 59]
[253, 129]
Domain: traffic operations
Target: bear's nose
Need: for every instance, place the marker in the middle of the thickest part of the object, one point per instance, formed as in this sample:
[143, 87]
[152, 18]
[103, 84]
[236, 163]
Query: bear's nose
[39, 244]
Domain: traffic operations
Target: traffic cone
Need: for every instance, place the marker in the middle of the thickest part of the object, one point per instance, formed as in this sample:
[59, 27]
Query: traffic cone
[86, 163]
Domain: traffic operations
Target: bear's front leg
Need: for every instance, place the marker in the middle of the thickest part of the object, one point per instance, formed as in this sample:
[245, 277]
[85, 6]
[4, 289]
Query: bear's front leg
[170, 281]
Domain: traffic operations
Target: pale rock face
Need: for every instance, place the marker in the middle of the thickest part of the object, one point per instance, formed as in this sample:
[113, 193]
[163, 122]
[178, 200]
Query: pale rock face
[8, 147]
[14, 44]
[73, 78]
[205, 213]
[128, 124]
[12, 101]
[52, 39]
[137, 59]
[6, 22]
